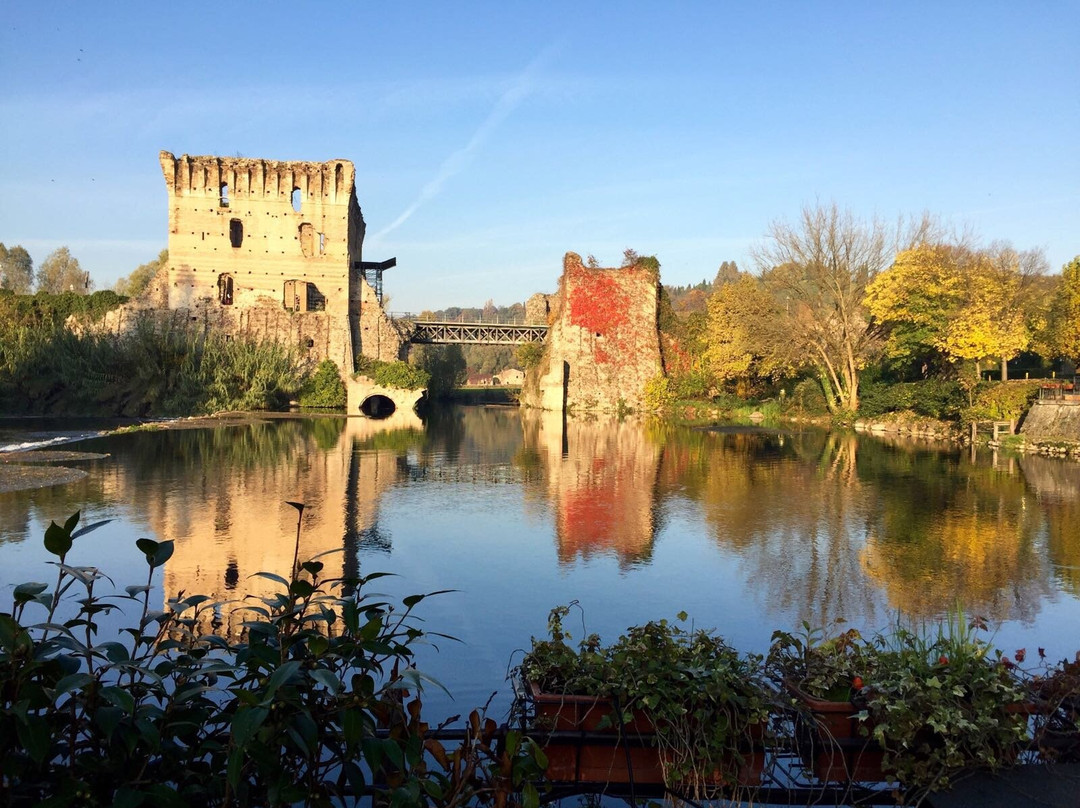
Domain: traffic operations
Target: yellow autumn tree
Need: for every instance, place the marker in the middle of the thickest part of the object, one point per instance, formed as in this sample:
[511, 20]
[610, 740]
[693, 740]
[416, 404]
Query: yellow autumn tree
[1065, 319]
[744, 345]
[964, 304]
[914, 299]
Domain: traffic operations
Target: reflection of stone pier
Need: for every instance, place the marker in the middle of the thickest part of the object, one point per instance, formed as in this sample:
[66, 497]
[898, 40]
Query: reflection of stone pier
[601, 480]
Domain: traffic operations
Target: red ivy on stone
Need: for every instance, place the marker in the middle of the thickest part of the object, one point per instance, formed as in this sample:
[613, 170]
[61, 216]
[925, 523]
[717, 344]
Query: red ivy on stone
[598, 305]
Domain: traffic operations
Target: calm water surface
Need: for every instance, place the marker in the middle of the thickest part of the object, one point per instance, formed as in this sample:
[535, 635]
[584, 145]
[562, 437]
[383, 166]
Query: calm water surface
[746, 530]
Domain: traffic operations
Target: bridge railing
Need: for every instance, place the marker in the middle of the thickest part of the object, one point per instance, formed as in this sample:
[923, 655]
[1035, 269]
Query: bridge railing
[493, 319]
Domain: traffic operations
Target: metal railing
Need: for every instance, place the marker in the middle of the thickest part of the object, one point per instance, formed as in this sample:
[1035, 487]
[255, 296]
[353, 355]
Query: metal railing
[1059, 390]
[489, 320]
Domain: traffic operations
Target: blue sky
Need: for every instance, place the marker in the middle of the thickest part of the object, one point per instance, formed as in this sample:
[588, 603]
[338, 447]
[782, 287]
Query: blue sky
[491, 138]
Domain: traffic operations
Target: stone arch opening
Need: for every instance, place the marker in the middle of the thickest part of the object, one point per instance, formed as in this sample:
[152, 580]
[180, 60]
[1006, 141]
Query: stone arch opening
[296, 199]
[307, 239]
[225, 289]
[224, 194]
[236, 232]
[377, 407]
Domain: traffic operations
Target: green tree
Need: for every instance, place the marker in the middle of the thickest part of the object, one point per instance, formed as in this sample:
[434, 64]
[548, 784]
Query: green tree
[444, 363]
[60, 272]
[136, 283]
[16, 269]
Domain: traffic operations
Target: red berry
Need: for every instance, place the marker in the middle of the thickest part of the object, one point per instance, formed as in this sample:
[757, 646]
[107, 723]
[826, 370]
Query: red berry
[857, 683]
[943, 660]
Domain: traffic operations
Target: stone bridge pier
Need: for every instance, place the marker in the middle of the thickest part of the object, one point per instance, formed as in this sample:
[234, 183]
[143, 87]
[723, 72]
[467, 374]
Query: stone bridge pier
[365, 397]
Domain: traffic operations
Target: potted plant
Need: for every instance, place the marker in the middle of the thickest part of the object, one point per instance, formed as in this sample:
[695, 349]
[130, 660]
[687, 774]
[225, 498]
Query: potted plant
[942, 702]
[662, 704]
[825, 676]
[1053, 699]
[927, 704]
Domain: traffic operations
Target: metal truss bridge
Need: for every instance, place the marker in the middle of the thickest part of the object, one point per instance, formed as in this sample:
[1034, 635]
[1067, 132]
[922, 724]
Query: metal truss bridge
[429, 332]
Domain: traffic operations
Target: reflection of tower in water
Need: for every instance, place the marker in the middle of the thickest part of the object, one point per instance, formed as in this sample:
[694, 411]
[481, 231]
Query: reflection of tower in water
[601, 478]
[245, 527]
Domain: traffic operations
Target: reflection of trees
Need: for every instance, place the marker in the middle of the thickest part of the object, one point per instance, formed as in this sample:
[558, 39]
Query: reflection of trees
[791, 505]
[601, 481]
[946, 531]
[1056, 485]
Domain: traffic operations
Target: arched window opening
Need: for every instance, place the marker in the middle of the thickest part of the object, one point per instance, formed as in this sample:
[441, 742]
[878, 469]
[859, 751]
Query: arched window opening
[224, 194]
[307, 239]
[225, 289]
[236, 232]
[296, 199]
[377, 407]
[339, 180]
[322, 243]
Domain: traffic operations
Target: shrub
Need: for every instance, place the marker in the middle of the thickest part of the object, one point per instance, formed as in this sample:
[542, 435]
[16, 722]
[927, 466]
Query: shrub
[395, 374]
[694, 384]
[807, 397]
[658, 394]
[942, 399]
[324, 387]
[1001, 401]
[530, 354]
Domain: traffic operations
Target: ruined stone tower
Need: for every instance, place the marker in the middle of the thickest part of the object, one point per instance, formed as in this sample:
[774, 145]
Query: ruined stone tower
[603, 346]
[273, 249]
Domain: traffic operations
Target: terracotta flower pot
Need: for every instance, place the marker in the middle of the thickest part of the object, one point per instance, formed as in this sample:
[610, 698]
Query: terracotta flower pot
[580, 751]
[833, 745]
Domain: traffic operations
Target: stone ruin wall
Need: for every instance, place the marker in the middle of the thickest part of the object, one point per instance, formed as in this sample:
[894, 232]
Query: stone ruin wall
[290, 273]
[604, 342]
[236, 217]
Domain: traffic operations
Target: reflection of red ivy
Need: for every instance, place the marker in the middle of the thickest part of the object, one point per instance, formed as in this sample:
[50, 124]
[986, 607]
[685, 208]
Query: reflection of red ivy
[599, 305]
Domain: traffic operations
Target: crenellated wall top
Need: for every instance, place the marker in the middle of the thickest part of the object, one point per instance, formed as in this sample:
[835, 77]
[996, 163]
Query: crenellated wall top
[205, 175]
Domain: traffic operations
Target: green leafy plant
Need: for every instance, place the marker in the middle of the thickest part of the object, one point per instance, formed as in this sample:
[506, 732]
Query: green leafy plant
[530, 354]
[394, 374]
[830, 667]
[936, 701]
[943, 701]
[310, 706]
[707, 703]
[324, 387]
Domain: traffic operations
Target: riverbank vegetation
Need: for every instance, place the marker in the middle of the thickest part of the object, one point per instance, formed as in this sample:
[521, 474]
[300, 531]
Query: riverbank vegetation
[852, 319]
[46, 367]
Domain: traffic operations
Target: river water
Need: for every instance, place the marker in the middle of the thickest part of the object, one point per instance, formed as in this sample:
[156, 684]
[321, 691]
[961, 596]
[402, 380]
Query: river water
[747, 530]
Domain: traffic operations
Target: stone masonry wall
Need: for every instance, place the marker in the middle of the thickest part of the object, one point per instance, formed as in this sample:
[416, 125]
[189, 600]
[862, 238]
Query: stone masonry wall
[237, 217]
[1048, 421]
[271, 249]
[604, 343]
[317, 335]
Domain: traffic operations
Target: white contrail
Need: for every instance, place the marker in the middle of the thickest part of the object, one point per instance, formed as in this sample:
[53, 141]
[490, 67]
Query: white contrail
[521, 88]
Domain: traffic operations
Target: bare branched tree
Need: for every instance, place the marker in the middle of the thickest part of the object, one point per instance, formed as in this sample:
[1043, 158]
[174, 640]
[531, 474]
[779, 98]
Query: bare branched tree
[818, 270]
